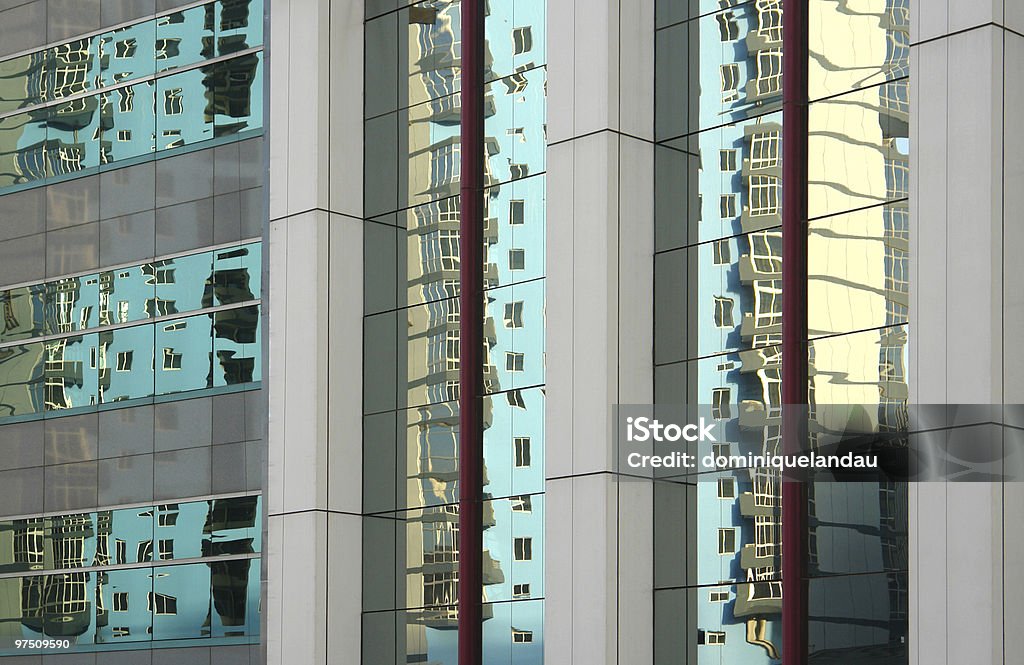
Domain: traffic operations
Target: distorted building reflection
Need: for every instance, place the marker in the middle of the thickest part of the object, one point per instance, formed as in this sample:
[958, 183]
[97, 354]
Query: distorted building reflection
[429, 160]
[725, 141]
[181, 353]
[129, 588]
[43, 138]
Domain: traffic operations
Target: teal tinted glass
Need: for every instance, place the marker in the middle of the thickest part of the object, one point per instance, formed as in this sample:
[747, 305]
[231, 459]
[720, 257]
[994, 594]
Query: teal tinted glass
[178, 285]
[215, 598]
[113, 96]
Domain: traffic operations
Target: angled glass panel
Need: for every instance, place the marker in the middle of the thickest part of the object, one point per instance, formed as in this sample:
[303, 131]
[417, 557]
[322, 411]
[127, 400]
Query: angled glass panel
[431, 271]
[431, 456]
[514, 442]
[181, 110]
[180, 601]
[239, 25]
[233, 526]
[23, 148]
[71, 373]
[859, 270]
[126, 363]
[25, 80]
[21, 379]
[178, 530]
[857, 528]
[74, 304]
[432, 48]
[182, 354]
[184, 37]
[181, 283]
[235, 591]
[129, 125]
[514, 337]
[74, 67]
[125, 595]
[23, 312]
[236, 358]
[24, 547]
[128, 121]
[518, 39]
[513, 235]
[125, 536]
[719, 296]
[737, 171]
[524, 138]
[58, 605]
[73, 136]
[513, 139]
[514, 548]
[513, 632]
[515, 231]
[234, 94]
[432, 346]
[125, 295]
[859, 615]
[734, 622]
[127, 53]
[865, 368]
[237, 275]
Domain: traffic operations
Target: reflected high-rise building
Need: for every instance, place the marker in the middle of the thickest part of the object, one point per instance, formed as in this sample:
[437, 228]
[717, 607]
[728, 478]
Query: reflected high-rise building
[424, 241]
[200, 200]
[722, 246]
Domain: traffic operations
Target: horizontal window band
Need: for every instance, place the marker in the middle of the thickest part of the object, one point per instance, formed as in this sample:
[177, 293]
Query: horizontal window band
[130, 506]
[73, 306]
[25, 110]
[133, 161]
[156, 563]
[133, 264]
[176, 355]
[169, 318]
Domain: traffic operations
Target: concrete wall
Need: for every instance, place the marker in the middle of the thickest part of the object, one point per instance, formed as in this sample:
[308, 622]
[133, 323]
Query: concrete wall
[967, 543]
[314, 492]
[600, 246]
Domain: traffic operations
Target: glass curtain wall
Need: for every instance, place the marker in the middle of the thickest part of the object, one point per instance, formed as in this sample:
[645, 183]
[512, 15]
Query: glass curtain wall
[123, 336]
[187, 572]
[178, 80]
[412, 131]
[130, 288]
[718, 317]
[858, 278]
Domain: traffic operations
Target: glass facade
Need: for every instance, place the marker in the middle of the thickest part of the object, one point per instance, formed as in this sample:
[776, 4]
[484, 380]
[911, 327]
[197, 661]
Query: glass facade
[718, 319]
[126, 334]
[411, 324]
[187, 572]
[131, 351]
[178, 80]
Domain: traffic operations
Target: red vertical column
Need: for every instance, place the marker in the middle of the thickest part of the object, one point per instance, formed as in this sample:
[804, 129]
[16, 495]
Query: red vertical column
[794, 324]
[471, 191]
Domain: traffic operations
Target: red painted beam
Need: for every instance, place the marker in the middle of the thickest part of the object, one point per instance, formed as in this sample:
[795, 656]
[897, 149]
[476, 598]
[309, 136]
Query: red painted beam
[794, 324]
[471, 338]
